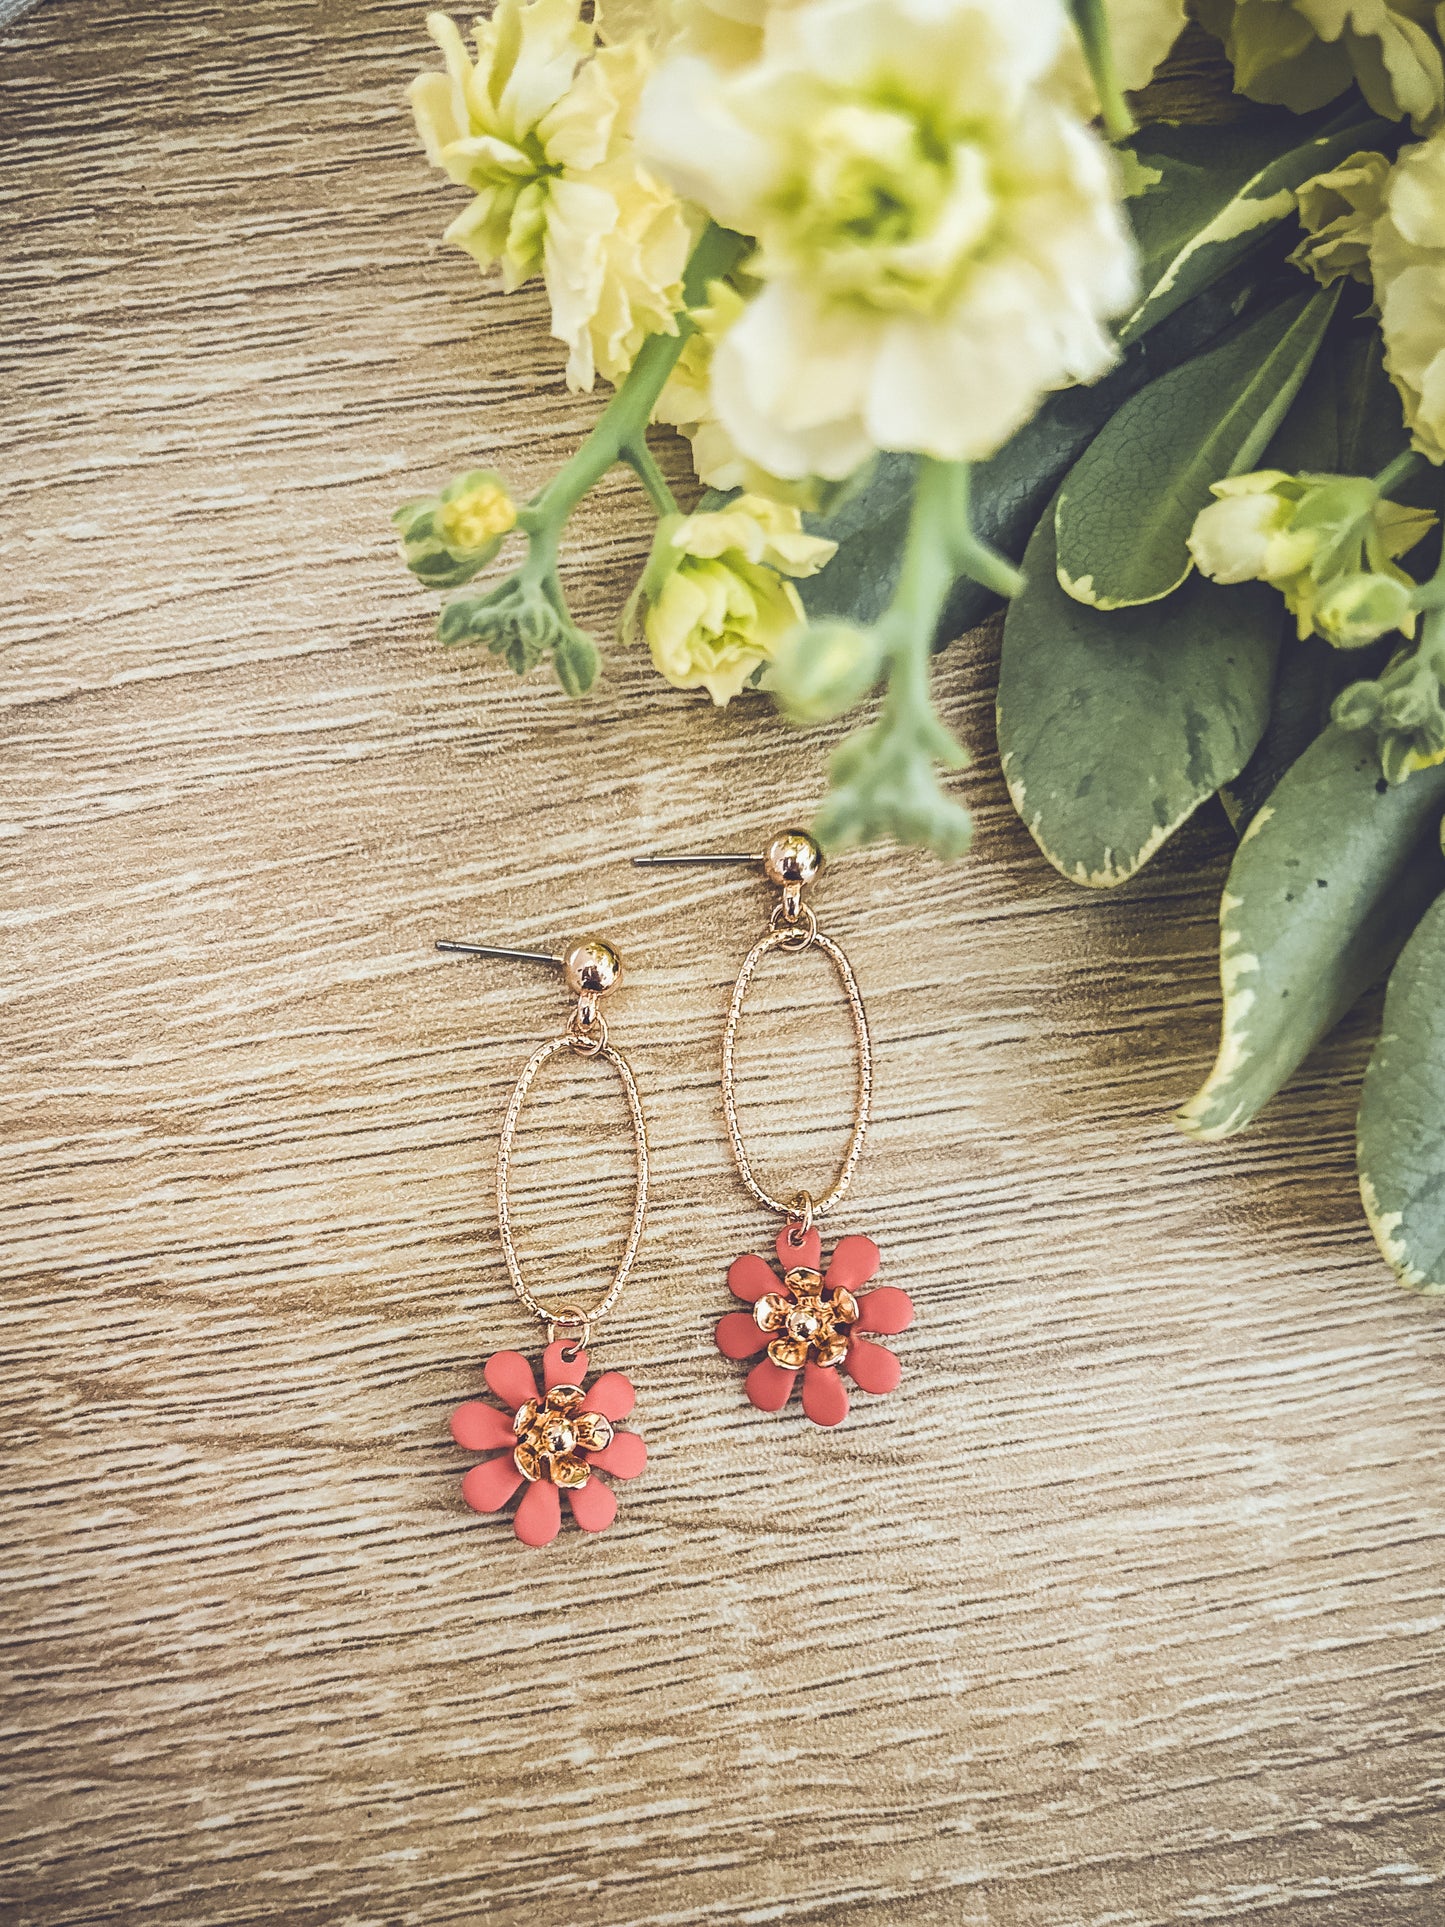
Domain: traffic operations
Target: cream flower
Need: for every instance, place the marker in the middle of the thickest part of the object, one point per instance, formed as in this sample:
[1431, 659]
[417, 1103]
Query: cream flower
[712, 603]
[686, 404]
[1328, 543]
[1302, 53]
[727, 31]
[1407, 259]
[1244, 535]
[1338, 211]
[938, 241]
[1141, 32]
[538, 128]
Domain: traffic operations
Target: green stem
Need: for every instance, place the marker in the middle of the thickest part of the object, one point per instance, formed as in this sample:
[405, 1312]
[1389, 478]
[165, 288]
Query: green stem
[927, 572]
[924, 581]
[1092, 25]
[643, 463]
[975, 558]
[940, 546]
[620, 431]
[1400, 470]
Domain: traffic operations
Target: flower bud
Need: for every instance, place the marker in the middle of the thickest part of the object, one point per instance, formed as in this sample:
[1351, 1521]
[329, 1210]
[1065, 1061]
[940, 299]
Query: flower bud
[825, 669]
[522, 620]
[1243, 535]
[1358, 608]
[448, 538]
[1404, 708]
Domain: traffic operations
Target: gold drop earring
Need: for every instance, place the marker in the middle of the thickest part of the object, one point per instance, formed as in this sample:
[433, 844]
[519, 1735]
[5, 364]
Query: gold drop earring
[558, 1436]
[811, 1321]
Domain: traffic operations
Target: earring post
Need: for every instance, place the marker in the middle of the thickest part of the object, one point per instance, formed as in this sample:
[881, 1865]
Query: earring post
[663, 862]
[499, 950]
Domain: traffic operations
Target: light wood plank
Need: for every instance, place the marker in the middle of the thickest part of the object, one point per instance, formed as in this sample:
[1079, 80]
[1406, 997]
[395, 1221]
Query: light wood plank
[1124, 1611]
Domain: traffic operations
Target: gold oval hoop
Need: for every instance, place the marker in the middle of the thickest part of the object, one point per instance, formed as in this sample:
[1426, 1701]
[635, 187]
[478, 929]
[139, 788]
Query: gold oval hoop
[786, 938]
[569, 1314]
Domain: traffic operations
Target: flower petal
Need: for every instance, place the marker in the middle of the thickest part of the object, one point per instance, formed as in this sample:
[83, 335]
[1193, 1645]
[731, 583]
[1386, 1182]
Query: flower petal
[789, 1352]
[612, 1396]
[539, 1516]
[556, 1370]
[510, 1377]
[854, 1262]
[886, 1310]
[624, 1458]
[825, 1396]
[594, 1430]
[479, 1427]
[594, 1505]
[487, 1487]
[805, 1254]
[873, 1367]
[738, 1335]
[770, 1313]
[769, 1386]
[750, 1277]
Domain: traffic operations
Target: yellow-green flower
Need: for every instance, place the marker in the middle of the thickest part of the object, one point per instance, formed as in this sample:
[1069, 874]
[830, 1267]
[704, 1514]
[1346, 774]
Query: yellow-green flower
[474, 511]
[448, 538]
[1338, 211]
[1407, 258]
[1328, 543]
[538, 128]
[1302, 53]
[713, 604]
[1358, 608]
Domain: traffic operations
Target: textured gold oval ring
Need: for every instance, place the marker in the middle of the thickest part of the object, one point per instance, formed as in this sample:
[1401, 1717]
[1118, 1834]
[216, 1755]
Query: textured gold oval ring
[562, 1314]
[786, 939]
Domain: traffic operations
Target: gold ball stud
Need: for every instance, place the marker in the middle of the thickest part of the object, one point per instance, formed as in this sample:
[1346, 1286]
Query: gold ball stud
[591, 967]
[793, 857]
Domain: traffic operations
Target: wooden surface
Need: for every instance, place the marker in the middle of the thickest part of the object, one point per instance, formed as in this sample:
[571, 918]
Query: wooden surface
[1125, 1610]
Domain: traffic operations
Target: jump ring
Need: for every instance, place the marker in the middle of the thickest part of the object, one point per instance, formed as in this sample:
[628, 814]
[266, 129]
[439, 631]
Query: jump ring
[794, 933]
[567, 1318]
[588, 1037]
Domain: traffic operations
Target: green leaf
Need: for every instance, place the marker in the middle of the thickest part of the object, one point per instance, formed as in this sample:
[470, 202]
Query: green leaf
[1401, 1144]
[870, 528]
[1128, 504]
[1221, 193]
[1114, 727]
[1330, 878]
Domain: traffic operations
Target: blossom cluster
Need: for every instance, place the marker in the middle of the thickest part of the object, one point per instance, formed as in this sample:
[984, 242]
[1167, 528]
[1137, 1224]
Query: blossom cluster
[1331, 544]
[928, 238]
[809, 233]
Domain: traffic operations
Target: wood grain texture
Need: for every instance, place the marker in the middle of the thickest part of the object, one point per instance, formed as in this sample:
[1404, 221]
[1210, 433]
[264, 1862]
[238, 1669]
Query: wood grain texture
[1124, 1611]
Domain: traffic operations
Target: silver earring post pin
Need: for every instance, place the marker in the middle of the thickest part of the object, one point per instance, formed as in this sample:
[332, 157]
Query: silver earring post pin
[500, 950]
[666, 862]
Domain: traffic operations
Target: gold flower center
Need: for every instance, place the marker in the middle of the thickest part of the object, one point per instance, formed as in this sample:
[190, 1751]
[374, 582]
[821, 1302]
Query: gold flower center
[554, 1432]
[809, 1323]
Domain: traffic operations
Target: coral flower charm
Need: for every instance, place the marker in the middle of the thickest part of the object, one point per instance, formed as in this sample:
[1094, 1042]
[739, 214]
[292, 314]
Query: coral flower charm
[814, 1322]
[554, 1440]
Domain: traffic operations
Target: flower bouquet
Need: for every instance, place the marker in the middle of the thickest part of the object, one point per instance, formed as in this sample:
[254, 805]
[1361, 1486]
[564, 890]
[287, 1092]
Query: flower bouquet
[961, 302]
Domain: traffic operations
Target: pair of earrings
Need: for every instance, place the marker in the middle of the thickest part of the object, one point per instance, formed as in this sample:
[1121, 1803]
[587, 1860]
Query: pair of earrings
[557, 1436]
